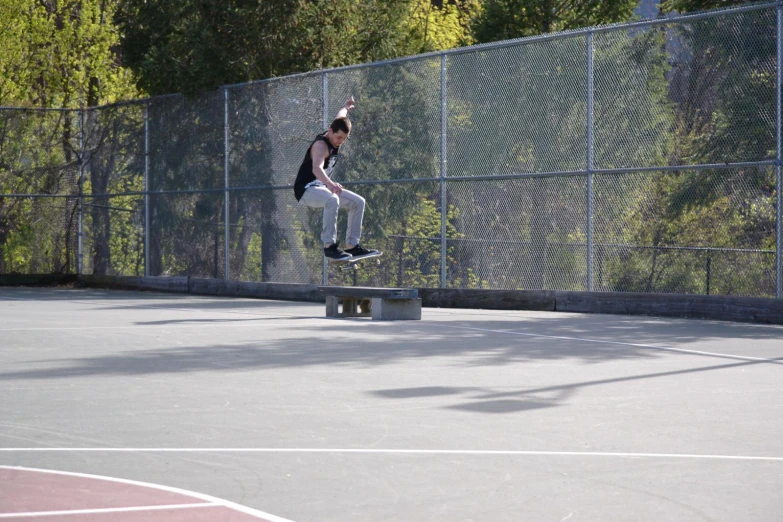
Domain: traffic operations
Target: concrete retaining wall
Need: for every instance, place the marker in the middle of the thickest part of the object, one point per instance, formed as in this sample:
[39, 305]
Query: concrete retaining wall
[203, 286]
[725, 308]
[38, 279]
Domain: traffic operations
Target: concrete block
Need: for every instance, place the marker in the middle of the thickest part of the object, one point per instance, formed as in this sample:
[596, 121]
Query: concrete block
[332, 306]
[337, 306]
[396, 309]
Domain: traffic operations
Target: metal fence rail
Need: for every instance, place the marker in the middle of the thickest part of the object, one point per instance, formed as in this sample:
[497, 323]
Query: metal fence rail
[635, 157]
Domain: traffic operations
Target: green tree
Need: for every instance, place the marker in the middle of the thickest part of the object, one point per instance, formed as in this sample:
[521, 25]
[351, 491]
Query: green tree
[56, 54]
[539, 122]
[526, 108]
[722, 87]
[506, 19]
[13, 68]
[686, 6]
[61, 54]
[721, 92]
[437, 26]
[36, 234]
[190, 46]
[114, 163]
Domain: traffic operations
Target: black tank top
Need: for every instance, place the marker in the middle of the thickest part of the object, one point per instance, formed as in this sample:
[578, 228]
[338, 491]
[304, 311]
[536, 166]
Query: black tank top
[305, 174]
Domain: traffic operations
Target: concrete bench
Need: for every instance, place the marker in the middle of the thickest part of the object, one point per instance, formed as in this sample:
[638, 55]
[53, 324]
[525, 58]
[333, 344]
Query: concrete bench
[385, 304]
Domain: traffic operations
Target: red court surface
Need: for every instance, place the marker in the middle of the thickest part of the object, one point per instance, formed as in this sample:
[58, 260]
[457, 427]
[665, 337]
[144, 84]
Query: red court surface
[30, 494]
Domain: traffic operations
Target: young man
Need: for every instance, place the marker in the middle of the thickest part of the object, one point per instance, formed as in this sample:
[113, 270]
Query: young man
[315, 188]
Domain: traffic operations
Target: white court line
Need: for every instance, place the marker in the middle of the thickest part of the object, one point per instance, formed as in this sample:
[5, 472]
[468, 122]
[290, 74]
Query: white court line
[106, 510]
[636, 345]
[381, 451]
[207, 498]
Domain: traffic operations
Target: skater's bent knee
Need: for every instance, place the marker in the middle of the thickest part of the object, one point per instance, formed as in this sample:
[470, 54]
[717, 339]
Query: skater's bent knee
[333, 201]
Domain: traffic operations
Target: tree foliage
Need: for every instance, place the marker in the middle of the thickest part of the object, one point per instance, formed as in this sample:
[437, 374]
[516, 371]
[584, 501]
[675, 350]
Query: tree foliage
[686, 6]
[506, 19]
[671, 94]
[434, 27]
[189, 46]
[722, 91]
[61, 54]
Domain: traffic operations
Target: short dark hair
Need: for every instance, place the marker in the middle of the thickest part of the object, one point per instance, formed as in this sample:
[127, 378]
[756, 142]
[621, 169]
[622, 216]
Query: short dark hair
[341, 124]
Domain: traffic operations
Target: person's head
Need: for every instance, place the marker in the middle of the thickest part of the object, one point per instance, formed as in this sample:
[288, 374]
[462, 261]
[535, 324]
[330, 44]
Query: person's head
[339, 131]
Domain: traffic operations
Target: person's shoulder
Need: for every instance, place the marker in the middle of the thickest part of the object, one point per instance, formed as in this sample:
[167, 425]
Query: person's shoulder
[320, 145]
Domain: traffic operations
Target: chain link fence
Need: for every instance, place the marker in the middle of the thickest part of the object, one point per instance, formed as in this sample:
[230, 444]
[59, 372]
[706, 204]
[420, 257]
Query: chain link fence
[642, 157]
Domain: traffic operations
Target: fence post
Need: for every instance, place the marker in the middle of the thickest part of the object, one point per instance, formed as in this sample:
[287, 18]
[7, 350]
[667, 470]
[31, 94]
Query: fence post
[226, 198]
[80, 231]
[146, 190]
[325, 119]
[779, 156]
[590, 139]
[443, 149]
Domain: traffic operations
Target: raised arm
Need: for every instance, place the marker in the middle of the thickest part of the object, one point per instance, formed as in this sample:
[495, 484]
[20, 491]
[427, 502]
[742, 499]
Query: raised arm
[343, 112]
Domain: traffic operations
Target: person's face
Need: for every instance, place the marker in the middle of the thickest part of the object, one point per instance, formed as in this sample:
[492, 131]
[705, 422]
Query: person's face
[337, 138]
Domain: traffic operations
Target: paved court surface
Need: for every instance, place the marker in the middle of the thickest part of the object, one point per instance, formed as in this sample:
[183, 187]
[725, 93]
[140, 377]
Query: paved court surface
[122, 406]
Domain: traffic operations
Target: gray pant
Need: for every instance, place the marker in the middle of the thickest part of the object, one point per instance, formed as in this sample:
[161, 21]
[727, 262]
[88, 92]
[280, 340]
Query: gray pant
[322, 197]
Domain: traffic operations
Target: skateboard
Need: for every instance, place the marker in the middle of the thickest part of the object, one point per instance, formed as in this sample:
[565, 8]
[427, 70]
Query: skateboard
[353, 263]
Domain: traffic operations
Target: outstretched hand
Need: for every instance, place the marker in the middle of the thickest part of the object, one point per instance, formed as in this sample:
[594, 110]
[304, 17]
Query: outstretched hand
[350, 104]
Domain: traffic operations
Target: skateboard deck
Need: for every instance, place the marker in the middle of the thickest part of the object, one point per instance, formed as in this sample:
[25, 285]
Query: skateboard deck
[353, 262]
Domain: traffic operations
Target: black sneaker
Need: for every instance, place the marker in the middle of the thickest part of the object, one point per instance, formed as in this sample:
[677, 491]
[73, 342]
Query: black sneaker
[360, 251]
[333, 252]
